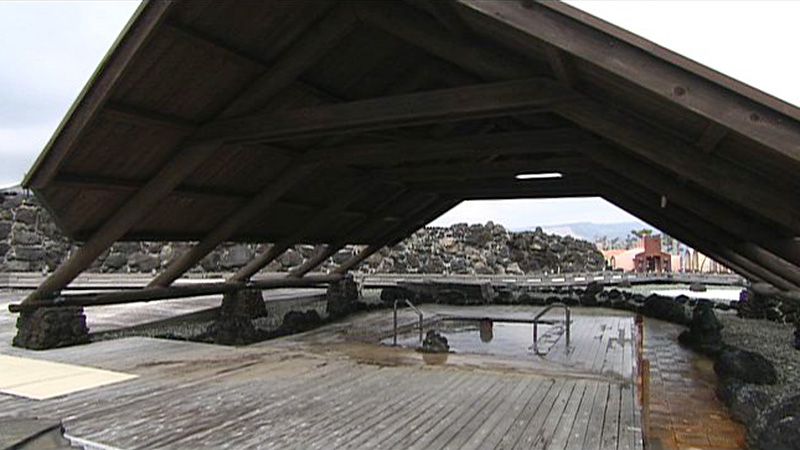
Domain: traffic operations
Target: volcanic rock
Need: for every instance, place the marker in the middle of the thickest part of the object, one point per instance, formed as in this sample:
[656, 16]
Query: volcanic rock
[746, 366]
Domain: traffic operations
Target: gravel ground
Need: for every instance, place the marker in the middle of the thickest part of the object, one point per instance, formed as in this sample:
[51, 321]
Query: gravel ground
[773, 341]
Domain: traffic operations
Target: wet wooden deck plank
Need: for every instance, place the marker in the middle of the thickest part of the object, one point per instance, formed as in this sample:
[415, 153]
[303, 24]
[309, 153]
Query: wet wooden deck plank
[280, 396]
[485, 421]
[611, 421]
[567, 420]
[578, 433]
[494, 430]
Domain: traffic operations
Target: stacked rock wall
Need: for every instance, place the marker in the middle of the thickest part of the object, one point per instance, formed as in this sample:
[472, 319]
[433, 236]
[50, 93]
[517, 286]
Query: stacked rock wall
[31, 242]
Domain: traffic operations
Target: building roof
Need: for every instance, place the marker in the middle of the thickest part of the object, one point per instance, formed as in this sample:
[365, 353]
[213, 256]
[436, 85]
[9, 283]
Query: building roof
[358, 122]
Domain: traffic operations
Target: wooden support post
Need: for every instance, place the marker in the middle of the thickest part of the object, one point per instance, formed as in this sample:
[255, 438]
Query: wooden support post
[172, 174]
[269, 195]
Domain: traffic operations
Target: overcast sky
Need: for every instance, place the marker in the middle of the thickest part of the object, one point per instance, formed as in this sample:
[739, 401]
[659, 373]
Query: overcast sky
[48, 50]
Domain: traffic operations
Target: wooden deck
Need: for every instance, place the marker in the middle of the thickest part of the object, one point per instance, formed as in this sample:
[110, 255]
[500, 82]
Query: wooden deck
[331, 389]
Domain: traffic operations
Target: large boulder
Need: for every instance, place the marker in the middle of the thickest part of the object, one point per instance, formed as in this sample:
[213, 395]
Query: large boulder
[665, 308]
[736, 364]
[744, 401]
[435, 342]
[705, 331]
[778, 426]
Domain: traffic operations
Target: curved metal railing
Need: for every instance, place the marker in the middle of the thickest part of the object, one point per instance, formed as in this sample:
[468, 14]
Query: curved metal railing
[545, 311]
[419, 313]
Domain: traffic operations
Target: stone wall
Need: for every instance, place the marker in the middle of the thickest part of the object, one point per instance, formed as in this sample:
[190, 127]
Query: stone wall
[30, 241]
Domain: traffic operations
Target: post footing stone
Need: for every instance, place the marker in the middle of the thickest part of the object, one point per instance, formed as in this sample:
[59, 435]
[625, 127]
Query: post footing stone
[51, 327]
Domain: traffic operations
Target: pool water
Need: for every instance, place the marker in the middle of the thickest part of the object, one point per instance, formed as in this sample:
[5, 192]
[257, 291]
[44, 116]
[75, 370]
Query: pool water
[486, 337]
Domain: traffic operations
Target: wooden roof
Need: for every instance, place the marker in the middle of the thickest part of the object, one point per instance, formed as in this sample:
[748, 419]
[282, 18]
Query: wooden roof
[357, 122]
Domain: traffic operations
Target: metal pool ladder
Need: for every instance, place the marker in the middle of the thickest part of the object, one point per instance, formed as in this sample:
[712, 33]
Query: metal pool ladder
[419, 313]
[542, 313]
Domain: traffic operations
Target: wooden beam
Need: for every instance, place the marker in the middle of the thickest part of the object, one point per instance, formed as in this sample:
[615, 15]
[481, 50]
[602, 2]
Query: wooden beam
[736, 184]
[444, 13]
[318, 40]
[132, 40]
[560, 64]
[321, 217]
[313, 262]
[147, 119]
[567, 140]
[195, 193]
[510, 14]
[711, 230]
[431, 209]
[552, 23]
[486, 170]
[136, 207]
[639, 175]
[441, 106]
[711, 137]
[228, 228]
[424, 32]
[687, 235]
[206, 42]
[174, 292]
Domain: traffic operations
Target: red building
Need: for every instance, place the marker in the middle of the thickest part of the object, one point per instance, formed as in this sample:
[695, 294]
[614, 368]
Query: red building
[652, 259]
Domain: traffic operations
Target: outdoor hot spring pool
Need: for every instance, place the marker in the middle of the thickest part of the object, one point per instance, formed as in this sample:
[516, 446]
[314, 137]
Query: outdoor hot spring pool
[500, 338]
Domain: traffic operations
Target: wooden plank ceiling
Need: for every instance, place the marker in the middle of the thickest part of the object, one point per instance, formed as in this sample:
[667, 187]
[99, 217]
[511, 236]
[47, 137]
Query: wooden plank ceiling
[356, 122]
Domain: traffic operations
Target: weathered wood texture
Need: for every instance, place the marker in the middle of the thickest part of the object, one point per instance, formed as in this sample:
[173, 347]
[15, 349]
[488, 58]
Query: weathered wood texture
[419, 92]
[293, 396]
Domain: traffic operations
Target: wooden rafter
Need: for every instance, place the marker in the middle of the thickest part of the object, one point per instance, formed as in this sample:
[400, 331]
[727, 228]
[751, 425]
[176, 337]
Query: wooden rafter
[550, 22]
[446, 105]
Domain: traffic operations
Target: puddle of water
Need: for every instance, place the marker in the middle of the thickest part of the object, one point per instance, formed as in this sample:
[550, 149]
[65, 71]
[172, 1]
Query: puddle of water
[507, 339]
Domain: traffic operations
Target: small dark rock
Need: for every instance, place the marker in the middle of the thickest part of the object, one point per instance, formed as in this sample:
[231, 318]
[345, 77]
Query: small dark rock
[746, 366]
[697, 287]
[297, 322]
[435, 343]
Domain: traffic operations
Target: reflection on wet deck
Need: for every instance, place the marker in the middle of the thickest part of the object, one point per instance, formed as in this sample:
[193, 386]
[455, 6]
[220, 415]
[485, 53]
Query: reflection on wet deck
[336, 388]
[684, 410]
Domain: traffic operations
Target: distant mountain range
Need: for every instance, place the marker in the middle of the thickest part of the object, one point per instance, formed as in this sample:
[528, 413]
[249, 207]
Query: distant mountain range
[591, 231]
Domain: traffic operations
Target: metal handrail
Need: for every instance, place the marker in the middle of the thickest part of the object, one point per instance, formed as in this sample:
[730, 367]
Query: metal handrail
[419, 313]
[542, 313]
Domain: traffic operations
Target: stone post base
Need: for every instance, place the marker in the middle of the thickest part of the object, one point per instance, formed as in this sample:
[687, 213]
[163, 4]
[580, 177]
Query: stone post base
[342, 297]
[51, 327]
[234, 326]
